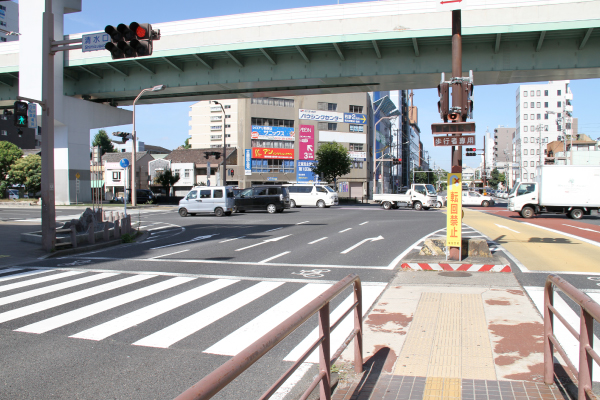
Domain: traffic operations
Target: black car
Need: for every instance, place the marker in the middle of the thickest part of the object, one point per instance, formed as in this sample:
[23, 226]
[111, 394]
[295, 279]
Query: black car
[260, 198]
[144, 196]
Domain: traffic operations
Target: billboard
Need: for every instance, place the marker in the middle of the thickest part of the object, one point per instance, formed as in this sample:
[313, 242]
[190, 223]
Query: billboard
[272, 132]
[248, 162]
[307, 142]
[304, 173]
[276, 154]
[358, 155]
[332, 116]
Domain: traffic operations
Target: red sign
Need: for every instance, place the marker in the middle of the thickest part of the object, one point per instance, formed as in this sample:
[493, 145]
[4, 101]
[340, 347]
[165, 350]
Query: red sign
[307, 142]
[454, 140]
[277, 154]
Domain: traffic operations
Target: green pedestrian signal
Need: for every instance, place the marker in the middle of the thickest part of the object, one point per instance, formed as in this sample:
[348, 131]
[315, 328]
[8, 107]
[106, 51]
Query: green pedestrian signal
[20, 113]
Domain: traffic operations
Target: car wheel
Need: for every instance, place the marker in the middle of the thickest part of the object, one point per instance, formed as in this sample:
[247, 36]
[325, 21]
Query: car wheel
[438, 204]
[235, 209]
[485, 203]
[418, 206]
[321, 204]
[387, 205]
[219, 212]
[292, 204]
[576, 213]
[183, 212]
[527, 212]
[271, 208]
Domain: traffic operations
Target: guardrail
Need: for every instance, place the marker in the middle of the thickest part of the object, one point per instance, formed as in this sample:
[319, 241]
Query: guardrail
[222, 376]
[590, 311]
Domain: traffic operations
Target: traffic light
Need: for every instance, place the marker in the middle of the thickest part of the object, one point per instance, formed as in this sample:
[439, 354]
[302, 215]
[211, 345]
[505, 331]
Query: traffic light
[444, 103]
[133, 40]
[396, 161]
[20, 113]
[466, 106]
[470, 151]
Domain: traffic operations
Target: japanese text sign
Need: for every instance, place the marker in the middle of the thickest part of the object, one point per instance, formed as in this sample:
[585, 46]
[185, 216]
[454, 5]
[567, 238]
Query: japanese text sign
[307, 143]
[454, 140]
[454, 213]
[94, 41]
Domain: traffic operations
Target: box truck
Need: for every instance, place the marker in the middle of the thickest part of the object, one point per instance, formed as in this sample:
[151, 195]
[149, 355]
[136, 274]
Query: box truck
[419, 196]
[573, 190]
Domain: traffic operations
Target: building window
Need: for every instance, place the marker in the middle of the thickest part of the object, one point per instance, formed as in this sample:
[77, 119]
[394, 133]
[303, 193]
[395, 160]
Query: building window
[215, 109]
[186, 174]
[3, 132]
[272, 101]
[357, 147]
[538, 104]
[532, 139]
[2, 39]
[216, 127]
[532, 117]
[525, 175]
[539, 116]
[558, 92]
[216, 137]
[215, 117]
[525, 93]
[532, 104]
[545, 93]
[326, 106]
[227, 116]
[539, 93]
[559, 104]
[524, 152]
[273, 122]
[327, 126]
[356, 109]
[546, 128]
[277, 166]
[546, 115]
[357, 128]
[2, 23]
[215, 146]
[531, 128]
[531, 175]
[357, 164]
[525, 105]
[545, 104]
[525, 129]
[524, 140]
[525, 117]
[545, 140]
[273, 144]
[116, 176]
[525, 163]
[531, 93]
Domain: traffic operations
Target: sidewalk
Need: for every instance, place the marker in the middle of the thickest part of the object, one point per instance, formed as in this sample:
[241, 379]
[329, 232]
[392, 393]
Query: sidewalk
[451, 335]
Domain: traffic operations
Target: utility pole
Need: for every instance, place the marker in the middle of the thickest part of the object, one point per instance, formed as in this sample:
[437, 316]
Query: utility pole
[484, 166]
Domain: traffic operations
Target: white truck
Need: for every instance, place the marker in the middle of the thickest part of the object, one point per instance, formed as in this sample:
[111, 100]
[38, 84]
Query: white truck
[419, 196]
[573, 190]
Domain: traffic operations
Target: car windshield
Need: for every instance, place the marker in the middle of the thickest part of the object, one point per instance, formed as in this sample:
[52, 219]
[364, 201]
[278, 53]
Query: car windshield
[431, 190]
[329, 189]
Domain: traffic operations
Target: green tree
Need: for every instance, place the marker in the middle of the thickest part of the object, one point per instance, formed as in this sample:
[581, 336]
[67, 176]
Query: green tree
[186, 144]
[425, 176]
[166, 179]
[495, 178]
[333, 161]
[101, 139]
[28, 172]
[9, 154]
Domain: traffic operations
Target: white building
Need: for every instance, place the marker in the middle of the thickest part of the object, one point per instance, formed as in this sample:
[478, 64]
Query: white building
[206, 124]
[544, 113]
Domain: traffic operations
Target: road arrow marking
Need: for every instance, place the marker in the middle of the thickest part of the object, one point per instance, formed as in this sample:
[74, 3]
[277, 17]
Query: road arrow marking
[349, 249]
[263, 242]
[196, 239]
[583, 229]
[505, 227]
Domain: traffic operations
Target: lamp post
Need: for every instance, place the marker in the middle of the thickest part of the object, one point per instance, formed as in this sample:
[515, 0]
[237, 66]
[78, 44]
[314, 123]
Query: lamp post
[134, 142]
[224, 178]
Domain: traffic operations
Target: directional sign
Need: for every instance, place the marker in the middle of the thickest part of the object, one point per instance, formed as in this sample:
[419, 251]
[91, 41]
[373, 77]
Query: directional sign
[77, 175]
[349, 249]
[124, 163]
[463, 140]
[94, 41]
[32, 116]
[352, 118]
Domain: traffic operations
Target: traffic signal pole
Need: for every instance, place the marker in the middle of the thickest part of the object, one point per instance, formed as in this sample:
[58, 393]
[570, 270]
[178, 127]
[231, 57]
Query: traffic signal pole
[457, 93]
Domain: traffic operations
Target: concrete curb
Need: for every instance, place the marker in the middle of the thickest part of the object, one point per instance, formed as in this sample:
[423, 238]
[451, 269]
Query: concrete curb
[115, 242]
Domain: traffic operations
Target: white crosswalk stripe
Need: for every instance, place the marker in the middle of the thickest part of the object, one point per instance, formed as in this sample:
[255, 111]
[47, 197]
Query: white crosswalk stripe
[94, 312]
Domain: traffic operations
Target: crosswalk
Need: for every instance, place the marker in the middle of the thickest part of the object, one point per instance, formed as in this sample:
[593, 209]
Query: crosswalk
[162, 310]
[569, 343]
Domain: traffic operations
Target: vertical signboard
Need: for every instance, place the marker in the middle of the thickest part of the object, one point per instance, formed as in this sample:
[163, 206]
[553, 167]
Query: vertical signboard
[305, 173]
[248, 162]
[307, 142]
[454, 214]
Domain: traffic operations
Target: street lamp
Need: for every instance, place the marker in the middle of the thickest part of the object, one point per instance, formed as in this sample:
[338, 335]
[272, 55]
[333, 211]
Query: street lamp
[224, 179]
[134, 141]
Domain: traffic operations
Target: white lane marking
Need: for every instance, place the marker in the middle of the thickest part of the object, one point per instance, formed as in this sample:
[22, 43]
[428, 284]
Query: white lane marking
[38, 280]
[49, 289]
[366, 222]
[170, 254]
[237, 341]
[291, 381]
[7, 270]
[263, 242]
[564, 337]
[318, 240]
[196, 239]
[229, 240]
[192, 324]
[305, 222]
[274, 257]
[593, 243]
[345, 230]
[583, 229]
[141, 315]
[23, 274]
[164, 228]
[59, 301]
[271, 230]
[506, 227]
[349, 249]
[340, 333]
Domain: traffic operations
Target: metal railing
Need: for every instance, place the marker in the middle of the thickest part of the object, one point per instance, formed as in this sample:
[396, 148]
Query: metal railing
[590, 311]
[222, 376]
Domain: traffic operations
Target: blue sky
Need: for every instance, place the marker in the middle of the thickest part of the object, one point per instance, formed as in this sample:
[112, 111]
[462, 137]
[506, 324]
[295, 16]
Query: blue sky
[493, 105]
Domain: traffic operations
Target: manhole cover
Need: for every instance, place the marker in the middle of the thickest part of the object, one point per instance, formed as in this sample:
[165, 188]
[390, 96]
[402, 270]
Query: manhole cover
[455, 274]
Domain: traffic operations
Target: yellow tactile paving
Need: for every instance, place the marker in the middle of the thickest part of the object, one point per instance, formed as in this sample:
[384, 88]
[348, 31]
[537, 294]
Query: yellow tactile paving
[442, 388]
[448, 338]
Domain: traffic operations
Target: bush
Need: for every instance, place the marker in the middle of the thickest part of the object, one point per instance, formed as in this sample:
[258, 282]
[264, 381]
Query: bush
[127, 238]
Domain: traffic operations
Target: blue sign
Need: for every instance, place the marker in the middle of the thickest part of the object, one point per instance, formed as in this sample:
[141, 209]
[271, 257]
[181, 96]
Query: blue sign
[352, 118]
[305, 173]
[271, 178]
[248, 162]
[124, 163]
[94, 41]
[272, 132]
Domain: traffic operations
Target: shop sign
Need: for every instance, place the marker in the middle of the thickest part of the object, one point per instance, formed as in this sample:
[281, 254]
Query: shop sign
[275, 154]
[272, 133]
[304, 173]
[307, 142]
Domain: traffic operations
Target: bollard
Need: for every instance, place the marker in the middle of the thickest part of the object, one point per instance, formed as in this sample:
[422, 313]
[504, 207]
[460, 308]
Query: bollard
[91, 234]
[129, 230]
[112, 216]
[73, 236]
[117, 231]
[106, 232]
[123, 226]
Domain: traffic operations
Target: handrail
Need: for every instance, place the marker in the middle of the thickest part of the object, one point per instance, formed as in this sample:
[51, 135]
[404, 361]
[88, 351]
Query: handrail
[590, 311]
[211, 384]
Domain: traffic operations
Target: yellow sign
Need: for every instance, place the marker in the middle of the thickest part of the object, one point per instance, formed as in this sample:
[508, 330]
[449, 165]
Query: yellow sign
[454, 211]
[77, 175]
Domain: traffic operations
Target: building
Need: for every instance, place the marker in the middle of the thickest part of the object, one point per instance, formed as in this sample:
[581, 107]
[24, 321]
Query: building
[9, 20]
[582, 150]
[207, 126]
[115, 176]
[543, 114]
[140, 146]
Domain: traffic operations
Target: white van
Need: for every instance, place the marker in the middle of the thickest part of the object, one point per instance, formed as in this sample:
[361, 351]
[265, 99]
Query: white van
[312, 195]
[208, 199]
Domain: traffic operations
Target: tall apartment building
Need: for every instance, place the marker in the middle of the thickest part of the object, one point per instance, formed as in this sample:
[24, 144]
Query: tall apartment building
[9, 20]
[503, 138]
[207, 126]
[544, 114]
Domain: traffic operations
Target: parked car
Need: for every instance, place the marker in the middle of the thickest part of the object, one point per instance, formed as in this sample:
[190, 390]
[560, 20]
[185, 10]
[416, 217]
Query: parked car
[476, 199]
[272, 199]
[208, 199]
[13, 194]
[144, 196]
[312, 195]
